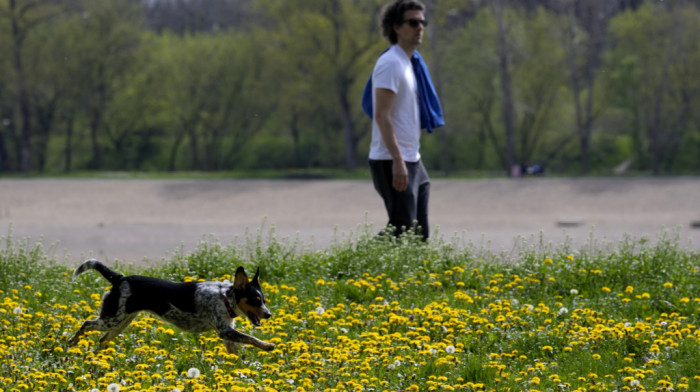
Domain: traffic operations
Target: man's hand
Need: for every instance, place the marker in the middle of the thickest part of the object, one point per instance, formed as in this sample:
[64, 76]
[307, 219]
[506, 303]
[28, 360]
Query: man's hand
[400, 174]
[384, 103]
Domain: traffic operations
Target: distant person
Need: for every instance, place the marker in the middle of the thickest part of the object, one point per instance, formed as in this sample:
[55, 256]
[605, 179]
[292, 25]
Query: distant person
[403, 100]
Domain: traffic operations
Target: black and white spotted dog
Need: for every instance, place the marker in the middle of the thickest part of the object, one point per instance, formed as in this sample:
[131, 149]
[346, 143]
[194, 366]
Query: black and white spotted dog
[191, 306]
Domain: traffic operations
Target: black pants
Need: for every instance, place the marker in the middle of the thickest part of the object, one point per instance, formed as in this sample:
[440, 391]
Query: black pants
[407, 208]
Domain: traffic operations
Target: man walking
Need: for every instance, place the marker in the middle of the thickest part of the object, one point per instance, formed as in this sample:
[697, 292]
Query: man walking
[403, 102]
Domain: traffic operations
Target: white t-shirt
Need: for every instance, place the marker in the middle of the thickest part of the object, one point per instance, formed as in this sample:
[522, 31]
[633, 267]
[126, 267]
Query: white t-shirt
[394, 72]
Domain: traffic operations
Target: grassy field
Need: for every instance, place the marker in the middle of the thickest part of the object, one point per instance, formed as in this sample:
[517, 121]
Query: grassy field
[375, 315]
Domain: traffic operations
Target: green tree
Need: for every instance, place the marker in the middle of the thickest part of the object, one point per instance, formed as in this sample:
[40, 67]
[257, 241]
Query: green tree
[654, 78]
[326, 50]
[22, 18]
[112, 35]
[583, 30]
[210, 96]
[474, 89]
[446, 17]
[468, 77]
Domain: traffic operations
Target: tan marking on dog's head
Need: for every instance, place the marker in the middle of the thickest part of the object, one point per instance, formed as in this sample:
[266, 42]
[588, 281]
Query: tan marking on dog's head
[254, 313]
[250, 300]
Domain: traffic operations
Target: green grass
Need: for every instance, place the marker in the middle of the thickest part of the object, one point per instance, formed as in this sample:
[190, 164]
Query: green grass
[379, 314]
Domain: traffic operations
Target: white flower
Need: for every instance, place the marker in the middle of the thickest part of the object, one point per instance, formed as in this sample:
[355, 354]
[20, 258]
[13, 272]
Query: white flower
[193, 373]
[574, 292]
[320, 310]
[17, 310]
[450, 349]
[562, 311]
[635, 383]
[113, 387]
[175, 390]
[394, 365]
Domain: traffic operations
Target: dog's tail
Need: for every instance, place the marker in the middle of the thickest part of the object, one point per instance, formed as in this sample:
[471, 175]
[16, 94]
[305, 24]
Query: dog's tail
[112, 276]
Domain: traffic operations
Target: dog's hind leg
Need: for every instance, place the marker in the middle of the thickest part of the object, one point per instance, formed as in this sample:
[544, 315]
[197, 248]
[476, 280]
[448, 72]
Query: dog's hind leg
[114, 332]
[89, 325]
[112, 325]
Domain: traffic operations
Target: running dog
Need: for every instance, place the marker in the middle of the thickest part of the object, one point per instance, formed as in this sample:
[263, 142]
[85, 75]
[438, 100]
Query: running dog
[191, 306]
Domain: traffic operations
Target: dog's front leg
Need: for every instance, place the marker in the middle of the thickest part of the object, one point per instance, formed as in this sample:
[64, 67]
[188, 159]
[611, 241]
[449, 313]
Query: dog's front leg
[232, 336]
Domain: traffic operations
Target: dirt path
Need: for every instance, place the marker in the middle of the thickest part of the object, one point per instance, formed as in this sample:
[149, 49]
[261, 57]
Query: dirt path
[133, 220]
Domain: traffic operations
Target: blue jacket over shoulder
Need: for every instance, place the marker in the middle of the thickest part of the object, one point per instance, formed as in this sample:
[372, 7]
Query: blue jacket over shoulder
[431, 116]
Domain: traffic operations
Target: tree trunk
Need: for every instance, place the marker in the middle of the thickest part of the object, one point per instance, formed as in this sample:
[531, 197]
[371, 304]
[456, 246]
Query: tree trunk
[172, 158]
[23, 103]
[68, 147]
[348, 126]
[506, 88]
[194, 149]
[3, 149]
[294, 130]
[343, 81]
[96, 119]
[435, 66]
[46, 114]
[656, 122]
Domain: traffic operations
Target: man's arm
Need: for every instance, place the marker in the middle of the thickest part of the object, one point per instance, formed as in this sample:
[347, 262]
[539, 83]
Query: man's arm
[384, 102]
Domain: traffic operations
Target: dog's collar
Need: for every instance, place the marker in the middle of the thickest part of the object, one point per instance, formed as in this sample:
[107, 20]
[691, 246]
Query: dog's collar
[228, 306]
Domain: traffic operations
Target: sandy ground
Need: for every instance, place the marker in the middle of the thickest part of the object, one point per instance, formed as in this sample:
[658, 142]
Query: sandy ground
[143, 221]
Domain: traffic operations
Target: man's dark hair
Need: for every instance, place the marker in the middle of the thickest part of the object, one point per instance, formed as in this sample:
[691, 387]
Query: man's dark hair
[392, 15]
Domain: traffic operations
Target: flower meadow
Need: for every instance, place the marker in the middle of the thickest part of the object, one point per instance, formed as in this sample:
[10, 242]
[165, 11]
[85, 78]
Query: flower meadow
[375, 315]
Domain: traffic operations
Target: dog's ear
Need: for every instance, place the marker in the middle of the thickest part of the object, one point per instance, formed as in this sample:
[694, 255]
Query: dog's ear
[241, 279]
[256, 278]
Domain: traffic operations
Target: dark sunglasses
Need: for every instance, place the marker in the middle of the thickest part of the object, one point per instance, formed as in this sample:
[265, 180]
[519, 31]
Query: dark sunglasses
[415, 22]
